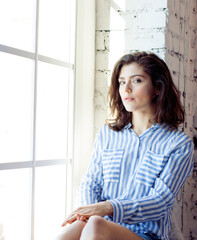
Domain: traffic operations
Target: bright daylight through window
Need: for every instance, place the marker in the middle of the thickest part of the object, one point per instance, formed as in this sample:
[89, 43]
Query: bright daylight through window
[36, 111]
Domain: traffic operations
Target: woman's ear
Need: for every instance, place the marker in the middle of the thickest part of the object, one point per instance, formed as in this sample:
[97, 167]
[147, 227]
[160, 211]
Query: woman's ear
[155, 95]
[157, 91]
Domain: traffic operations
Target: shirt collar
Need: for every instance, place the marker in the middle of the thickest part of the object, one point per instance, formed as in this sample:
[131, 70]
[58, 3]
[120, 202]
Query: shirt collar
[129, 125]
[154, 126]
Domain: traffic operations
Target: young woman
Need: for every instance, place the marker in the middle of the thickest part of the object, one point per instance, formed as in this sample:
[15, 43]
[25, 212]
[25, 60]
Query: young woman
[140, 160]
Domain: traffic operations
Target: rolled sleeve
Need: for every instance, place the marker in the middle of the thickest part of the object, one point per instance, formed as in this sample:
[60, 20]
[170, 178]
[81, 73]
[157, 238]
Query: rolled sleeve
[118, 211]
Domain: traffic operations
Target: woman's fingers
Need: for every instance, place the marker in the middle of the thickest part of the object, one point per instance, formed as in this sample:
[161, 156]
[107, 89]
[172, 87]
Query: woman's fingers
[84, 219]
[69, 220]
[73, 218]
[81, 218]
[85, 212]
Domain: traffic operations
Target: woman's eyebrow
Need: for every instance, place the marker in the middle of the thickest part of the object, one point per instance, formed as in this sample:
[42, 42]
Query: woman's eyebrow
[133, 75]
[136, 75]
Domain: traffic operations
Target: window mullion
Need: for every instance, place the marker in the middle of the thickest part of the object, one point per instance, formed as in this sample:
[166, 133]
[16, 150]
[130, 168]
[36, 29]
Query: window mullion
[31, 55]
[34, 122]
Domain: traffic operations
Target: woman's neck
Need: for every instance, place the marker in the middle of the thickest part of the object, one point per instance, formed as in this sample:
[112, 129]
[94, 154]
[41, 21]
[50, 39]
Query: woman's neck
[141, 122]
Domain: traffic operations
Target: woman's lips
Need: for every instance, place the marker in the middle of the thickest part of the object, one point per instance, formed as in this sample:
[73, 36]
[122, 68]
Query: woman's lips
[128, 99]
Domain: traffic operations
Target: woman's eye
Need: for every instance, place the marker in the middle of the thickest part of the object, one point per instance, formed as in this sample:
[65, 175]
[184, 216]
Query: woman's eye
[121, 82]
[137, 80]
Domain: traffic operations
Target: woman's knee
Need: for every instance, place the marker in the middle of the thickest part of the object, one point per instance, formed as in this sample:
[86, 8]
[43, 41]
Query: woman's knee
[71, 232]
[95, 229]
[96, 222]
[95, 219]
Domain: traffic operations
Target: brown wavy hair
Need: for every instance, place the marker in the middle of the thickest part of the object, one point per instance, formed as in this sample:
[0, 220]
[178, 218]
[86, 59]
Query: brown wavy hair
[168, 107]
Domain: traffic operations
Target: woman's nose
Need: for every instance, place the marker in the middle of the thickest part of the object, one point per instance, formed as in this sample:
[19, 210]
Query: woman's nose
[128, 87]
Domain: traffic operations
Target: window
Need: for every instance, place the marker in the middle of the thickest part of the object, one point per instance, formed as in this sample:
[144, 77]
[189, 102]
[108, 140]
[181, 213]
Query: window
[36, 101]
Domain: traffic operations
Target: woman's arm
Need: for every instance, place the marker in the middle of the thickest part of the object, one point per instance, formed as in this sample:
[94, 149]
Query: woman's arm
[90, 188]
[161, 197]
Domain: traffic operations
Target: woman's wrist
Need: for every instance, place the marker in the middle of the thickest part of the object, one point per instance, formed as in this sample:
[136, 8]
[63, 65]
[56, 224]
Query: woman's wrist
[107, 208]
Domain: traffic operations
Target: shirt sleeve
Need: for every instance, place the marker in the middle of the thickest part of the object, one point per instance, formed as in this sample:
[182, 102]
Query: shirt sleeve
[90, 188]
[161, 196]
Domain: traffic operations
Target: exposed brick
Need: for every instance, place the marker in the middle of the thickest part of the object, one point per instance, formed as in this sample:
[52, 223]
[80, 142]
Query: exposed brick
[152, 19]
[144, 4]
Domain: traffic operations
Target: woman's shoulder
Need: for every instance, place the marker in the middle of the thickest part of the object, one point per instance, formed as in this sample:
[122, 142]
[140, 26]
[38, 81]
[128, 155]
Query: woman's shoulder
[106, 133]
[104, 130]
[174, 135]
[174, 131]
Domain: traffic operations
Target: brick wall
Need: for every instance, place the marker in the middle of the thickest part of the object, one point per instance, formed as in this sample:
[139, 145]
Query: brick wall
[167, 28]
[181, 57]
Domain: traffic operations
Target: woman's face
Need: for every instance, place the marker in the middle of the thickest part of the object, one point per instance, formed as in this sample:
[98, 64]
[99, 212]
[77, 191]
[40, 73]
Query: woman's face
[136, 89]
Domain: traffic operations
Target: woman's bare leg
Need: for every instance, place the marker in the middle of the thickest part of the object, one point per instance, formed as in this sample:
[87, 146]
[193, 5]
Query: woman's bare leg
[98, 228]
[72, 232]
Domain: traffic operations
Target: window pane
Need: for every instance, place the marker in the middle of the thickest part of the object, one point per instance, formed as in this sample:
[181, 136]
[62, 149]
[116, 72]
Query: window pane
[15, 203]
[50, 201]
[54, 28]
[52, 112]
[16, 98]
[16, 23]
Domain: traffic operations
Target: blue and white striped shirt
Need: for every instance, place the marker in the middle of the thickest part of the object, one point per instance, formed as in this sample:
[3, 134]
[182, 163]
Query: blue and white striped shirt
[139, 175]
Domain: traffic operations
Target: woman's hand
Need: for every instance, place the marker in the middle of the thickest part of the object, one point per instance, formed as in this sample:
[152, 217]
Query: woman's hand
[85, 212]
[82, 218]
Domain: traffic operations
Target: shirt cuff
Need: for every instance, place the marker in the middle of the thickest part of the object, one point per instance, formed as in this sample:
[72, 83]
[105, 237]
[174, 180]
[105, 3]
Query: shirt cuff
[118, 211]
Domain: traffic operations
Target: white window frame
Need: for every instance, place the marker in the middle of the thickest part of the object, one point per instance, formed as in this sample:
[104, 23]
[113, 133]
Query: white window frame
[83, 116]
[36, 163]
[84, 89]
